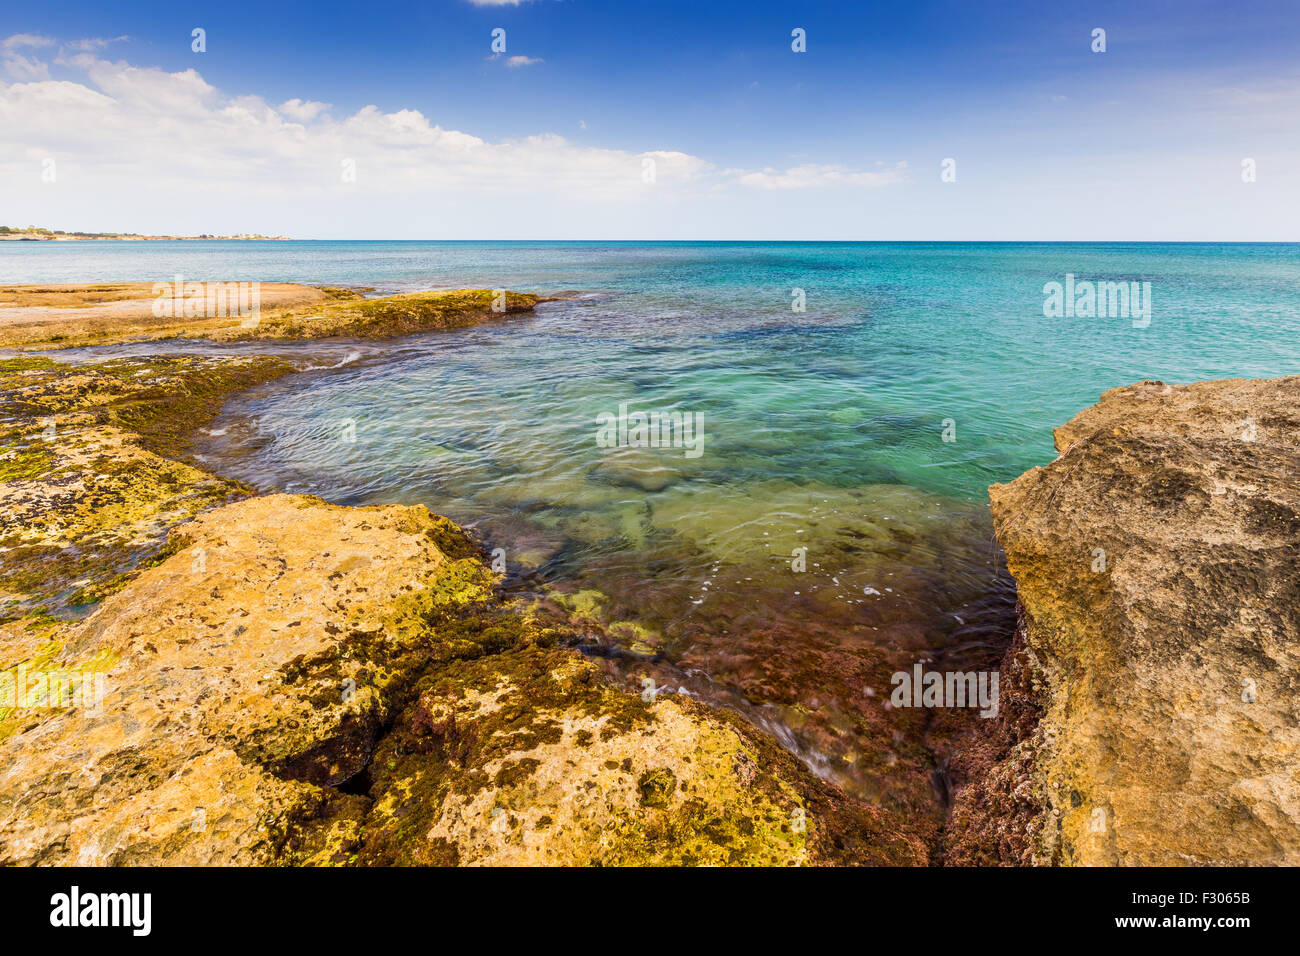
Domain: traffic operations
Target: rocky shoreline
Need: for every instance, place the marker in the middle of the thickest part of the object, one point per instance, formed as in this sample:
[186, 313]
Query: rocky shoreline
[292, 682]
[288, 681]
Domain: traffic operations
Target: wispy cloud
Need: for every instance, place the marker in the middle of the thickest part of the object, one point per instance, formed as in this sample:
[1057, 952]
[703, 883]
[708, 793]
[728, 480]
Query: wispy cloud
[517, 61]
[27, 40]
[94, 43]
[21, 68]
[29, 69]
[811, 175]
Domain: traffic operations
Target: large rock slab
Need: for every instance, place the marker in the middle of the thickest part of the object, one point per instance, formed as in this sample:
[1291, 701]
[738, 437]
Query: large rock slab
[236, 681]
[1157, 561]
[66, 316]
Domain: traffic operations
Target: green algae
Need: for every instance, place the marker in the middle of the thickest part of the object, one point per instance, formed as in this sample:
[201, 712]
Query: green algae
[656, 787]
[163, 399]
[22, 363]
[24, 464]
[388, 317]
[54, 678]
[181, 395]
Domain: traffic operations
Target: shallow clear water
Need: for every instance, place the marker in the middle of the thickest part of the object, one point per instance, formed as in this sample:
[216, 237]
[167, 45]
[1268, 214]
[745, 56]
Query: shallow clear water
[896, 338]
[822, 429]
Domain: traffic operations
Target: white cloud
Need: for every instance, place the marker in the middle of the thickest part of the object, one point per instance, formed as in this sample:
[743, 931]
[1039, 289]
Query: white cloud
[302, 111]
[136, 142]
[139, 90]
[815, 174]
[177, 124]
[26, 40]
[153, 126]
[21, 68]
[516, 61]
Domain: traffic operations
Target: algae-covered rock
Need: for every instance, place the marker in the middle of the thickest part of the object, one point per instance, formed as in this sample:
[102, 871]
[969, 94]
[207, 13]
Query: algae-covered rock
[251, 665]
[64, 316]
[309, 683]
[1158, 568]
[529, 757]
[382, 318]
[85, 492]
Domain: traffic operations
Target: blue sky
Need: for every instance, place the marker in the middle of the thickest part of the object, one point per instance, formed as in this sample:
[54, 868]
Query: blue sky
[748, 138]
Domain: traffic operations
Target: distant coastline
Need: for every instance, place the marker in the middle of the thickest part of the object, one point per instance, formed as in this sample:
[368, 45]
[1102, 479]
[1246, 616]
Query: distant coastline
[34, 234]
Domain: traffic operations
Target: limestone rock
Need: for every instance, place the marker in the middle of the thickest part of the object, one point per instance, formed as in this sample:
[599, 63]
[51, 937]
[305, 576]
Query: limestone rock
[238, 684]
[86, 494]
[64, 316]
[1157, 562]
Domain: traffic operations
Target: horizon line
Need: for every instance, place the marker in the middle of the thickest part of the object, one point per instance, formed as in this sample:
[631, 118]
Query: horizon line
[1241, 242]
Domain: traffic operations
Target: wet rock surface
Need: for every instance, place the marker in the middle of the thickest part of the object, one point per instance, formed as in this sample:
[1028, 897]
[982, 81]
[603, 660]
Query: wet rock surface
[89, 481]
[1157, 562]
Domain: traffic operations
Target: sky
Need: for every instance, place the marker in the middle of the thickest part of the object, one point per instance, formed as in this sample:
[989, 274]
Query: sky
[612, 119]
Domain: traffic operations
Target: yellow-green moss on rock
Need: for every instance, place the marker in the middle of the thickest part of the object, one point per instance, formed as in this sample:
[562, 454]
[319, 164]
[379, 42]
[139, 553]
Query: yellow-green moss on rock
[388, 317]
[59, 317]
[87, 496]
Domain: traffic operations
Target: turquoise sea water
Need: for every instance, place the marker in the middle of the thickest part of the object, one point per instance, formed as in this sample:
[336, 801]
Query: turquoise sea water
[823, 429]
[896, 337]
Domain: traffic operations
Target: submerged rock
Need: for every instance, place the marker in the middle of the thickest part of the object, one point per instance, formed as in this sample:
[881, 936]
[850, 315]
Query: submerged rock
[1158, 567]
[643, 468]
